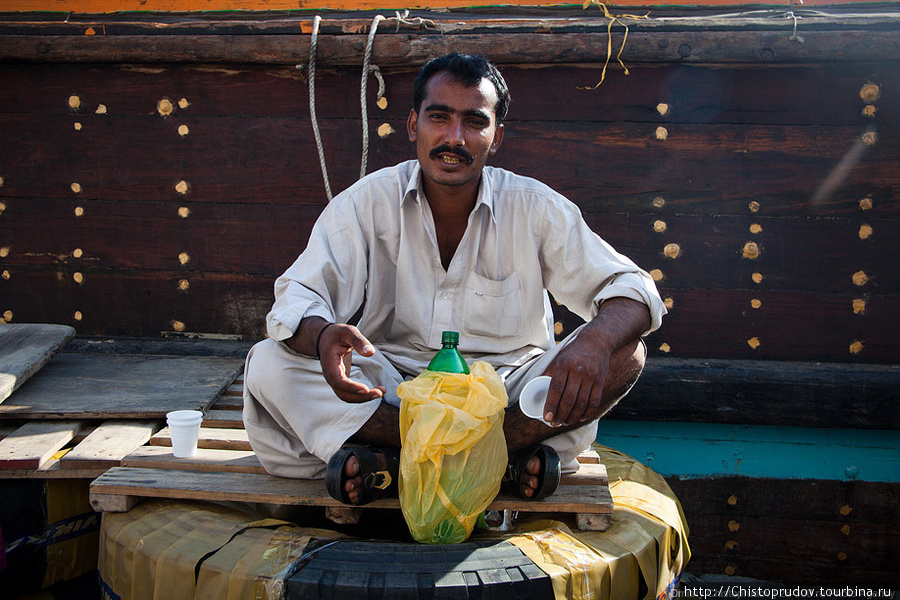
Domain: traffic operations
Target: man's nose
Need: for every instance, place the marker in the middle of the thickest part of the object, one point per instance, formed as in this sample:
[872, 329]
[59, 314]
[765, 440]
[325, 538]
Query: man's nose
[454, 133]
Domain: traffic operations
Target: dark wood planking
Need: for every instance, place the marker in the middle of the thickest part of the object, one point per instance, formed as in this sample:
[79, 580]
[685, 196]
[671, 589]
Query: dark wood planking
[141, 303]
[819, 93]
[753, 392]
[104, 386]
[757, 526]
[795, 254]
[258, 239]
[698, 46]
[275, 161]
[787, 326]
[702, 324]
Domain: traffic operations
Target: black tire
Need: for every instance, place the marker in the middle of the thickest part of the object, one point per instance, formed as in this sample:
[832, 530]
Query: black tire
[485, 570]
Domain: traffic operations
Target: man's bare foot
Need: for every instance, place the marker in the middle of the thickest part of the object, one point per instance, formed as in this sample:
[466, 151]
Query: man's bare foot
[533, 472]
[530, 481]
[354, 483]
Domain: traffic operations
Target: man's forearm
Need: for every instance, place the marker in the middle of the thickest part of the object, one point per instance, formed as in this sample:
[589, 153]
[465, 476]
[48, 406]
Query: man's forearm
[619, 322]
[304, 339]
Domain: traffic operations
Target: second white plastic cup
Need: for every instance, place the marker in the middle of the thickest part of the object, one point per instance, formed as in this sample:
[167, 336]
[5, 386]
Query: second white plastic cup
[533, 397]
[184, 427]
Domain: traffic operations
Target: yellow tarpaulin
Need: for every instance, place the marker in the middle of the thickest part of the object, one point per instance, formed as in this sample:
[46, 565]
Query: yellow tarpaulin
[645, 543]
[162, 550]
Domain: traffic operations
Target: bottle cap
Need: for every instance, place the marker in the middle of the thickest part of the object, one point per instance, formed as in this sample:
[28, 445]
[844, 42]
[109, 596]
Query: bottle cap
[450, 337]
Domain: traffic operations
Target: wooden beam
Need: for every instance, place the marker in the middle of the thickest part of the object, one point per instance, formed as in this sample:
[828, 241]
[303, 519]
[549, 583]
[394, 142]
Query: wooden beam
[765, 393]
[32, 445]
[213, 438]
[411, 51]
[108, 444]
[250, 487]
[25, 348]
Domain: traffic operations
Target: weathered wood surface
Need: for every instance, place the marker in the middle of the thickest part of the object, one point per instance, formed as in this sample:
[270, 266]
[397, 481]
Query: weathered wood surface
[125, 387]
[215, 438]
[208, 460]
[108, 444]
[793, 531]
[32, 445]
[748, 155]
[751, 38]
[263, 7]
[25, 348]
[765, 393]
[585, 492]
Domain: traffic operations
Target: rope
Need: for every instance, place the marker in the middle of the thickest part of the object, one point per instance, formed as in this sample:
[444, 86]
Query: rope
[612, 20]
[313, 47]
[362, 92]
[401, 19]
[794, 37]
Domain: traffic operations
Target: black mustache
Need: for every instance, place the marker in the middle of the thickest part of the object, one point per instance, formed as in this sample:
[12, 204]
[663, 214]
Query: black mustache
[459, 151]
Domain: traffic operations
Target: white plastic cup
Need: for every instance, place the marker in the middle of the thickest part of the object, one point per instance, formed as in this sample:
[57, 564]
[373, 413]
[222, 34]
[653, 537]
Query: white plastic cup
[184, 427]
[533, 397]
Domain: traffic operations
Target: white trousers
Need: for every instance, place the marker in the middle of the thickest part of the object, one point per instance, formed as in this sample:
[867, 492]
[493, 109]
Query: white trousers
[295, 422]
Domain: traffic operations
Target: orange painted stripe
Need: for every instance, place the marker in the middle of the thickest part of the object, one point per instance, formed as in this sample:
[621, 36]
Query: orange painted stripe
[110, 6]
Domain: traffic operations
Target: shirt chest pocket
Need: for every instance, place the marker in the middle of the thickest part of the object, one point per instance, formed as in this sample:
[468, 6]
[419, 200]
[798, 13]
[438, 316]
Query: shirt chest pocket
[494, 308]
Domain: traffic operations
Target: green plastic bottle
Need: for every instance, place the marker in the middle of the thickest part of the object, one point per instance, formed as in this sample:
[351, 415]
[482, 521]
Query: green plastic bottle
[448, 359]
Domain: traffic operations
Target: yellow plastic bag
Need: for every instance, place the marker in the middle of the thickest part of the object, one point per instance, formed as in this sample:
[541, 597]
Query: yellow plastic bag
[454, 452]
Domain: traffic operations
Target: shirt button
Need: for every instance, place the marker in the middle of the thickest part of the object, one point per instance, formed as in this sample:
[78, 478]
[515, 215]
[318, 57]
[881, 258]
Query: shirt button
[445, 295]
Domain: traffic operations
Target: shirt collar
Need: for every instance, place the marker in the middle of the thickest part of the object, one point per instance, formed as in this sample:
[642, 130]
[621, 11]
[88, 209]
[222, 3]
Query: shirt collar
[485, 198]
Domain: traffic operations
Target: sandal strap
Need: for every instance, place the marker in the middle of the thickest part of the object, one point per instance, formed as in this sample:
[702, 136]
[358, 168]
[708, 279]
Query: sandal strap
[379, 479]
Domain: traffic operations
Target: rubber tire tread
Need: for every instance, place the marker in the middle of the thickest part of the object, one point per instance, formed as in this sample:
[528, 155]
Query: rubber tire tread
[372, 570]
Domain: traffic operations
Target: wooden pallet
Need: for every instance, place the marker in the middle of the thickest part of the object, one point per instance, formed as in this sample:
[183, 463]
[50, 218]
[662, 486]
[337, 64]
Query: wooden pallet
[86, 448]
[226, 469]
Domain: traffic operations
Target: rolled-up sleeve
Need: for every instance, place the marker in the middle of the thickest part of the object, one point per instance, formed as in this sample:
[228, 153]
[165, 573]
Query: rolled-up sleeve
[638, 286]
[586, 270]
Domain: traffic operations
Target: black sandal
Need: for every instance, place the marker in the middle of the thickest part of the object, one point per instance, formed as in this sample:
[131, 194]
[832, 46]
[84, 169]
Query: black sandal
[377, 482]
[548, 477]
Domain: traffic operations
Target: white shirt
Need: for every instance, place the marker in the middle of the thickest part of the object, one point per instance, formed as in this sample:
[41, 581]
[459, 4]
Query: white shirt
[374, 246]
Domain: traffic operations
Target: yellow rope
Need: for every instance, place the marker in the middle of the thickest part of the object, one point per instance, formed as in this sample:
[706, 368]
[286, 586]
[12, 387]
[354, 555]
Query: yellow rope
[613, 19]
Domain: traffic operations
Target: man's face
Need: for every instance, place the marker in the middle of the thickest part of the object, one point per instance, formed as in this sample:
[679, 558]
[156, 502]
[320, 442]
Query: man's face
[455, 131]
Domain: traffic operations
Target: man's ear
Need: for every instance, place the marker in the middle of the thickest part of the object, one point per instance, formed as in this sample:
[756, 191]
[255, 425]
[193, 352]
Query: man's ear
[498, 139]
[411, 123]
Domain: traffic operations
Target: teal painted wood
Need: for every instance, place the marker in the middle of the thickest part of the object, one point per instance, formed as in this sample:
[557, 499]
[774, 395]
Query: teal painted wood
[700, 450]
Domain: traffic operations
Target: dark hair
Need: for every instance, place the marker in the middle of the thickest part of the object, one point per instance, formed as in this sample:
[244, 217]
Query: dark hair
[468, 69]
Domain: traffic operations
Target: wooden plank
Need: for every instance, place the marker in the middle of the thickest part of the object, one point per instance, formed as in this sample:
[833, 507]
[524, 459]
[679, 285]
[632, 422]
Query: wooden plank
[790, 253]
[793, 530]
[207, 460]
[731, 161]
[228, 403]
[35, 443]
[51, 469]
[207, 306]
[250, 487]
[25, 348]
[783, 324]
[245, 461]
[413, 51]
[587, 474]
[236, 389]
[228, 419]
[755, 392]
[109, 444]
[694, 95]
[125, 387]
[214, 438]
[245, 7]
